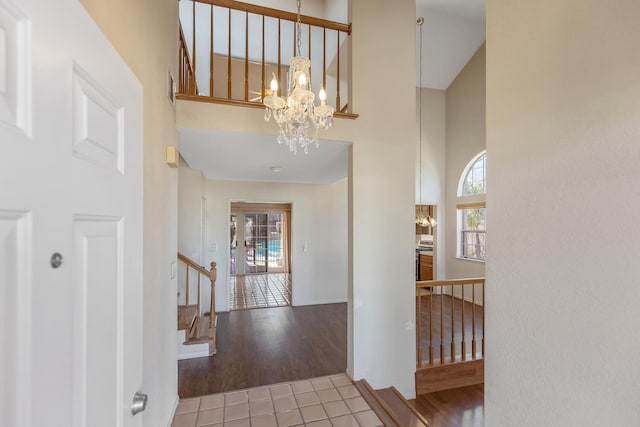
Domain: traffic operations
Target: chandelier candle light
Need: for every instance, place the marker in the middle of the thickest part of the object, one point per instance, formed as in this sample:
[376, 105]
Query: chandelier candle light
[296, 113]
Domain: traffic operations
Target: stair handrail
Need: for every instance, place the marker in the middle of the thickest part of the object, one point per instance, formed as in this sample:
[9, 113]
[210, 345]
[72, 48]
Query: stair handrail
[211, 274]
[428, 288]
[187, 80]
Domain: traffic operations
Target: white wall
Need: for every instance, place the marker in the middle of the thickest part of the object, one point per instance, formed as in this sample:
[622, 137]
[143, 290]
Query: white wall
[144, 32]
[433, 166]
[563, 139]
[191, 192]
[318, 218]
[465, 130]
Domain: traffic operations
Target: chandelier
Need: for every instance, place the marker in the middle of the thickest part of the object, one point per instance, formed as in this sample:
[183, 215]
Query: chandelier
[297, 114]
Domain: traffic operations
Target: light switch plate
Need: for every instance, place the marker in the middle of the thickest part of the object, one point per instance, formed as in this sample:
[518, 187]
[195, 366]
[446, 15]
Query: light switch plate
[174, 269]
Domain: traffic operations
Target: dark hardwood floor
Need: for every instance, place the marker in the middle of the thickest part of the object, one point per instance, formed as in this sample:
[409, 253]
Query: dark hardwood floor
[460, 407]
[268, 346]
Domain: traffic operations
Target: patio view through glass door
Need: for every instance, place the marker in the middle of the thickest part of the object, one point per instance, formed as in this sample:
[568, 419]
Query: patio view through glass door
[258, 246]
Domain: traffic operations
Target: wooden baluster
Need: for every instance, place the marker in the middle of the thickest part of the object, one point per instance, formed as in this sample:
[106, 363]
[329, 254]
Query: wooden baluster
[211, 56]
[453, 325]
[338, 76]
[324, 58]
[463, 345]
[262, 88]
[441, 327]
[279, 59]
[192, 85]
[198, 311]
[309, 54]
[419, 326]
[483, 311]
[473, 321]
[431, 326]
[229, 61]
[213, 274]
[181, 71]
[186, 292]
[246, 56]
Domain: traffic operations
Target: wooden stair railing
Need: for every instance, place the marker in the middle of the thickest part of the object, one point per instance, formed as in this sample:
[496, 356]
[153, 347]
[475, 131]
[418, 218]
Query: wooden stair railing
[242, 78]
[190, 317]
[187, 79]
[453, 313]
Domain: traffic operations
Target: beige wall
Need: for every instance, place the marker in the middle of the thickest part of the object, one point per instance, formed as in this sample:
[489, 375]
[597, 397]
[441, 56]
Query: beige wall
[433, 165]
[318, 223]
[145, 34]
[465, 130]
[563, 141]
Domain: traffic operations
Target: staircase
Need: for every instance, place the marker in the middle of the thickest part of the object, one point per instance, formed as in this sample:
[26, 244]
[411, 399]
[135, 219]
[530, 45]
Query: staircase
[390, 406]
[196, 330]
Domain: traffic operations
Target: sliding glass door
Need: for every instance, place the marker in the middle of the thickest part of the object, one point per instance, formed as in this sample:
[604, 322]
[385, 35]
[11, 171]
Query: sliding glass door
[259, 245]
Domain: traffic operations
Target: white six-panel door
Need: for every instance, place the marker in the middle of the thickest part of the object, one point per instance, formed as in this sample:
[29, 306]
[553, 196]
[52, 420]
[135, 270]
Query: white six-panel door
[70, 221]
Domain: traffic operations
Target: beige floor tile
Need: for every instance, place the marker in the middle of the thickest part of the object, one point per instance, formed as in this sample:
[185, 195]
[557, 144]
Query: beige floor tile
[188, 405]
[302, 387]
[185, 420]
[280, 390]
[357, 404]
[285, 403]
[260, 407]
[328, 395]
[290, 418]
[236, 412]
[340, 380]
[321, 423]
[235, 398]
[336, 409]
[307, 399]
[313, 413]
[238, 423]
[321, 383]
[345, 421]
[368, 419]
[211, 402]
[259, 394]
[211, 416]
[348, 391]
[268, 420]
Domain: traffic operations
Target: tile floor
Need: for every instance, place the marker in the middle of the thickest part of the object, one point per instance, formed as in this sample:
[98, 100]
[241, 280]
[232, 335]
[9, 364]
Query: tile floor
[260, 291]
[331, 401]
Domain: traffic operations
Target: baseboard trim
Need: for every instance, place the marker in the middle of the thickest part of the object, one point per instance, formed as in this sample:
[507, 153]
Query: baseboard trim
[172, 414]
[194, 354]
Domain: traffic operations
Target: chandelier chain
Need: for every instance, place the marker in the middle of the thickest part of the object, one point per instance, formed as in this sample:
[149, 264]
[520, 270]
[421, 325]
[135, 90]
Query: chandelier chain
[299, 29]
[420, 115]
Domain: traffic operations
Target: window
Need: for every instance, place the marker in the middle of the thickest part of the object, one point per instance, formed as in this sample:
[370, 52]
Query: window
[472, 214]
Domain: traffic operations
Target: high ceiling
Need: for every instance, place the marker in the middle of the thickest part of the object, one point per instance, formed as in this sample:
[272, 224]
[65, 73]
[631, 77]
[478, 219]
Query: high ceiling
[452, 32]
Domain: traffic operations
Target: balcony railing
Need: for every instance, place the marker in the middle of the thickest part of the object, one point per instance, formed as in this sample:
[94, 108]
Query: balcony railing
[230, 50]
[449, 321]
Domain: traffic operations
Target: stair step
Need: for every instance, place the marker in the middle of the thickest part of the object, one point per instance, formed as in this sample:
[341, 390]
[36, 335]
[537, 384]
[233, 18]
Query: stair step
[186, 316]
[390, 406]
[203, 334]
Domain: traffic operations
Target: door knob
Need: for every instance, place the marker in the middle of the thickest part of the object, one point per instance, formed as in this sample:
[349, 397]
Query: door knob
[139, 403]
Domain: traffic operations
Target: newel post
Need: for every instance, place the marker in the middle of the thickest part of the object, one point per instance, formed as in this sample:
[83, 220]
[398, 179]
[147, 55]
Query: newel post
[213, 274]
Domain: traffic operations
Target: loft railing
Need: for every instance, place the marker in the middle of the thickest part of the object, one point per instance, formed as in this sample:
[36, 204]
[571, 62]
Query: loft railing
[234, 48]
[449, 320]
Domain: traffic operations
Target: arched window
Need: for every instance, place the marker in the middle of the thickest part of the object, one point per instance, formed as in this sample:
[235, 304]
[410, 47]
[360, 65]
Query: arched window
[472, 209]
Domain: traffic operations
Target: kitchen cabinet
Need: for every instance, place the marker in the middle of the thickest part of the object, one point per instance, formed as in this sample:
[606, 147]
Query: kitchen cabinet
[426, 267]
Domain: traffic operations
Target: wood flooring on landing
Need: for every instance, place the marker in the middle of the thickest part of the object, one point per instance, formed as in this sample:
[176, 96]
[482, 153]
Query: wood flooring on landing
[460, 407]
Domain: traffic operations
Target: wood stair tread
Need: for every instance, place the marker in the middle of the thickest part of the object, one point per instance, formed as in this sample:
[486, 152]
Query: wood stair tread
[390, 406]
[202, 333]
[186, 316]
